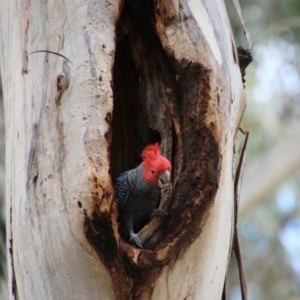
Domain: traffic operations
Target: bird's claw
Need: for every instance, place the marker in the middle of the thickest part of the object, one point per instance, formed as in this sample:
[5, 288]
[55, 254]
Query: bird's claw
[135, 239]
[158, 213]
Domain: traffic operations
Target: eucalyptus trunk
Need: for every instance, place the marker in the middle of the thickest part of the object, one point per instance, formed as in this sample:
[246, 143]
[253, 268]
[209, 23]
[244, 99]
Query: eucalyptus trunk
[136, 73]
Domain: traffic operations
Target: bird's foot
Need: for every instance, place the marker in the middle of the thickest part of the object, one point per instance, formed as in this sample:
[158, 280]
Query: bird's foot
[135, 239]
[158, 213]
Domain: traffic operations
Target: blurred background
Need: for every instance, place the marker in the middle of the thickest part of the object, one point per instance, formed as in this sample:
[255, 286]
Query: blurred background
[269, 217]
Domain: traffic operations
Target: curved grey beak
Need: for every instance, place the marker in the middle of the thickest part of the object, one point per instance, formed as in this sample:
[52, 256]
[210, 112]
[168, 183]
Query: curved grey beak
[164, 179]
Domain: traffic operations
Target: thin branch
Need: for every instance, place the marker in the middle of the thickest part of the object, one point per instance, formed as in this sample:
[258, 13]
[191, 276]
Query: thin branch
[48, 51]
[242, 273]
[239, 174]
[246, 32]
[237, 189]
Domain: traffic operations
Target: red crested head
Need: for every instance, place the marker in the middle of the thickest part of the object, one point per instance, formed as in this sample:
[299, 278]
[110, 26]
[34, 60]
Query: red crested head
[157, 168]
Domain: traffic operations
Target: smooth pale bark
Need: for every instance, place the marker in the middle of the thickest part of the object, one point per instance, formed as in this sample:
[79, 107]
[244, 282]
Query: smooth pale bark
[46, 131]
[56, 116]
[205, 36]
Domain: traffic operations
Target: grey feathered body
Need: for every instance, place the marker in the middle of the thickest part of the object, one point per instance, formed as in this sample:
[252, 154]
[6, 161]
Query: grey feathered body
[136, 199]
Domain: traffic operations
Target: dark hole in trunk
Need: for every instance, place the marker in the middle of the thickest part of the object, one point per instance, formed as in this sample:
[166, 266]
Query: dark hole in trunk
[130, 130]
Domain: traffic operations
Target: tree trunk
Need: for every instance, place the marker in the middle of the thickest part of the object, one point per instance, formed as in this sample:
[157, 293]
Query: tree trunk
[136, 73]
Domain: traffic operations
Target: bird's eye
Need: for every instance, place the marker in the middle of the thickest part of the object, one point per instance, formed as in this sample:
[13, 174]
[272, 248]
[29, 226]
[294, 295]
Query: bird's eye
[152, 171]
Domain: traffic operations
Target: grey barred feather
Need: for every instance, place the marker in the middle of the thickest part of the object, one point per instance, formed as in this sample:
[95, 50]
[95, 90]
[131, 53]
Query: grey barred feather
[122, 191]
[137, 199]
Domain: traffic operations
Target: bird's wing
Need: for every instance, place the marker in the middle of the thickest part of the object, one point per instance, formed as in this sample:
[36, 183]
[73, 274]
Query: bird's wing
[122, 191]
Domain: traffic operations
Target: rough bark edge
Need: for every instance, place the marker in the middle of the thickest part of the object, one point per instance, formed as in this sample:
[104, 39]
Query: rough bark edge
[134, 271]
